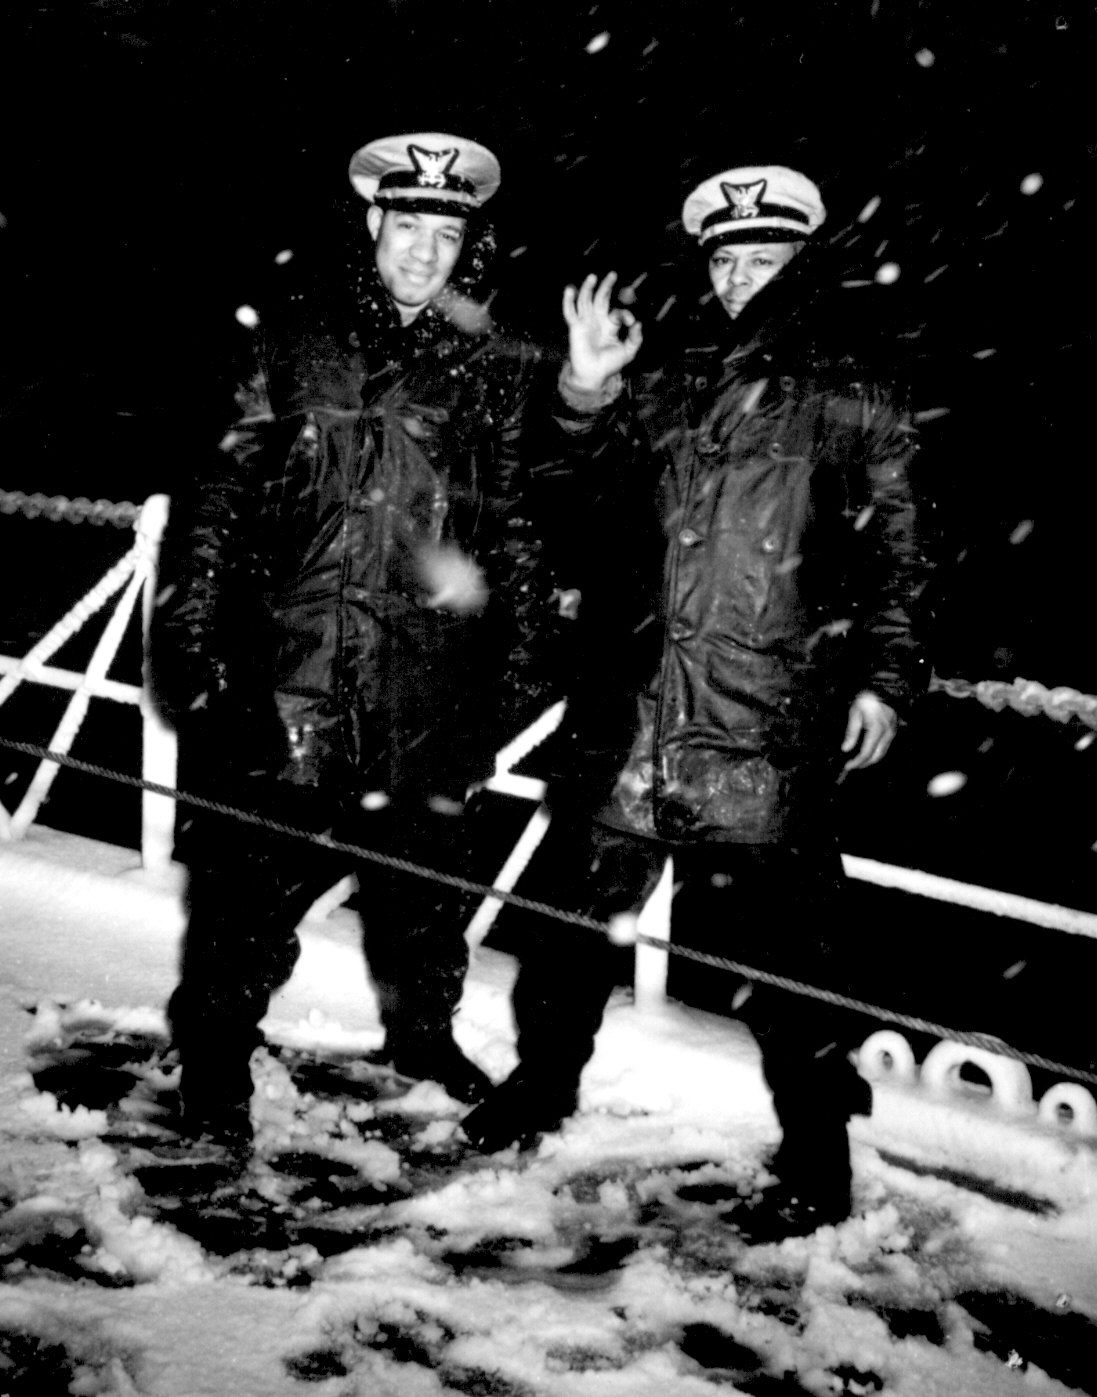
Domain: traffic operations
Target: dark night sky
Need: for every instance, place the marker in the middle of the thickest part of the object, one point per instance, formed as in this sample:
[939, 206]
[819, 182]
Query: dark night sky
[164, 150]
[159, 153]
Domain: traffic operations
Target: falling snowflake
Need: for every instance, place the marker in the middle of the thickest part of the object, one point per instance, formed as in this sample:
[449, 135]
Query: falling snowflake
[623, 928]
[741, 995]
[455, 581]
[247, 315]
[1031, 183]
[947, 783]
[598, 43]
[627, 294]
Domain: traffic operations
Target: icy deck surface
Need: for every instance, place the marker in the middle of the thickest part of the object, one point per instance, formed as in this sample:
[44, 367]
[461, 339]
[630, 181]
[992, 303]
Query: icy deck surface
[365, 1249]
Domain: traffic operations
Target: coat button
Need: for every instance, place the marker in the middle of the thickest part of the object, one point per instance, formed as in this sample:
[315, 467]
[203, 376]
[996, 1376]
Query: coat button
[680, 630]
[770, 543]
[688, 537]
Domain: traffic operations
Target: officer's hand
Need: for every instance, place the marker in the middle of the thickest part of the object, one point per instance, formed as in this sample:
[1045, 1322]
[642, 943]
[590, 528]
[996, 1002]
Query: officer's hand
[870, 731]
[601, 341]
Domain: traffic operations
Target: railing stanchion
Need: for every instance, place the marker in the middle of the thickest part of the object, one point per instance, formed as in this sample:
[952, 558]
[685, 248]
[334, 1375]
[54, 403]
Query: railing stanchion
[159, 747]
[652, 962]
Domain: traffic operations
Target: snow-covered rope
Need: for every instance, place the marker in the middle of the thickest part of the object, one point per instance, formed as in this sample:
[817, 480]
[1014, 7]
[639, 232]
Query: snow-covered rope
[1024, 696]
[78, 511]
[766, 977]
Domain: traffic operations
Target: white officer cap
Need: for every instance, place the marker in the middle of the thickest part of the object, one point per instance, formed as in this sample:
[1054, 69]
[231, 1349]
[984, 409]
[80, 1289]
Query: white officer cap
[754, 204]
[427, 172]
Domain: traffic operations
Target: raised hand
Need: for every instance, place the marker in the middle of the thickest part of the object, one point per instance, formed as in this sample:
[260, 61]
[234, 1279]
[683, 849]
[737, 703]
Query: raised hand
[602, 341]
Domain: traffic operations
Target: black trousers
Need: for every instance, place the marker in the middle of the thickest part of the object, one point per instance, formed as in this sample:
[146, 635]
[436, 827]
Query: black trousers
[249, 889]
[772, 907]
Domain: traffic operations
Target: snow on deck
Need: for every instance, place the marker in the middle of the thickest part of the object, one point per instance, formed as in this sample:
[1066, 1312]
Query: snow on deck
[602, 1263]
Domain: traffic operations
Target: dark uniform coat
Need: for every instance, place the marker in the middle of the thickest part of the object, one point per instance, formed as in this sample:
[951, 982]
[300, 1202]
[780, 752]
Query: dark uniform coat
[715, 707]
[295, 622]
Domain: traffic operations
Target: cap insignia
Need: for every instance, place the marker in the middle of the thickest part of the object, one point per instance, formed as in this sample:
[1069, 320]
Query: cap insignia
[744, 198]
[432, 166]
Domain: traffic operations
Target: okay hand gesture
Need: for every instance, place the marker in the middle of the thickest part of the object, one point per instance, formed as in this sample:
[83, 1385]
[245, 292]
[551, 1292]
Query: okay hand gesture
[602, 341]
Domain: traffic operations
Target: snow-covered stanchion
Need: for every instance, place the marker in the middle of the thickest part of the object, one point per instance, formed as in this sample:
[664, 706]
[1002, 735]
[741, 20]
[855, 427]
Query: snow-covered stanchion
[504, 781]
[652, 962]
[504, 778]
[968, 1110]
[535, 830]
[89, 683]
[159, 747]
[133, 575]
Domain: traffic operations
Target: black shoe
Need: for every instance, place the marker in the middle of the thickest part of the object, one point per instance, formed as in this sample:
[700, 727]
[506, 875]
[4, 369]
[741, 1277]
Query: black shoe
[218, 1123]
[441, 1060]
[519, 1112]
[215, 1098]
[814, 1185]
[789, 1210]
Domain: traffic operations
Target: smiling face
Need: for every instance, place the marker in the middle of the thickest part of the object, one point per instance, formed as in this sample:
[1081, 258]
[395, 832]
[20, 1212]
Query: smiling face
[738, 271]
[415, 254]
